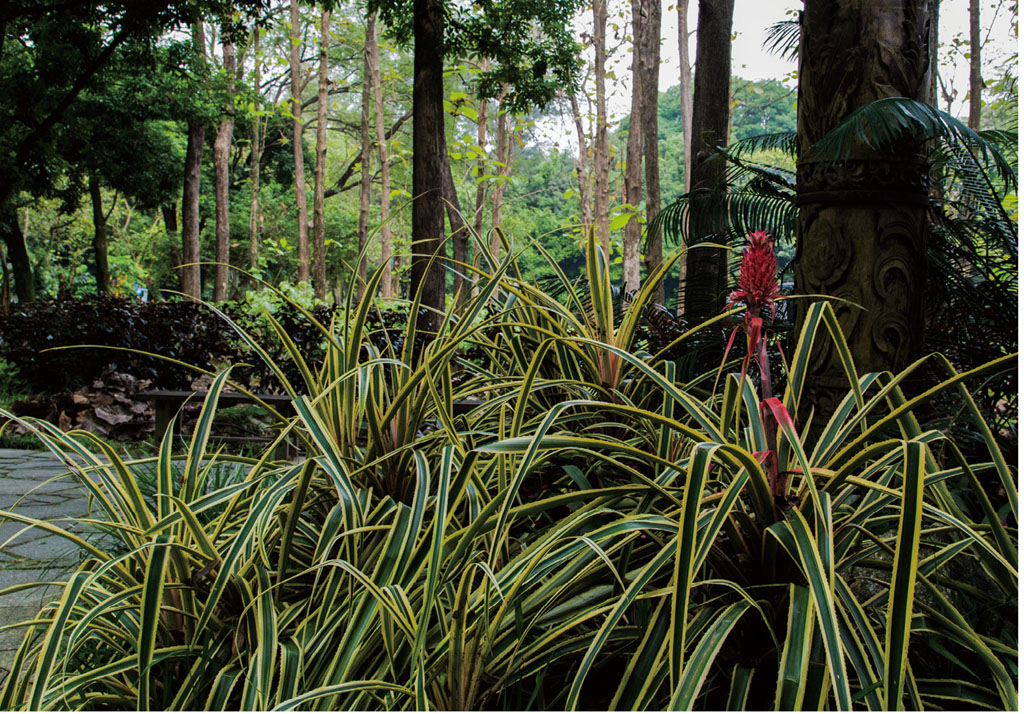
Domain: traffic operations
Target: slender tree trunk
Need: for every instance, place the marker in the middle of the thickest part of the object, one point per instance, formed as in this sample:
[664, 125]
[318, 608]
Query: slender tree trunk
[710, 129]
[861, 231]
[21, 266]
[974, 115]
[389, 283]
[99, 237]
[221, 167]
[295, 67]
[255, 157]
[460, 234]
[650, 61]
[320, 170]
[932, 95]
[5, 285]
[191, 283]
[686, 117]
[428, 271]
[481, 163]
[634, 158]
[504, 148]
[602, 159]
[584, 169]
[366, 173]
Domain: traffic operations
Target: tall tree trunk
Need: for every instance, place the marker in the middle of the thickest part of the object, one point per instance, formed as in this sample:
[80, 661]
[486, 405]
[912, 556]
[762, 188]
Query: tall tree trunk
[191, 283]
[710, 129]
[222, 177]
[255, 157]
[428, 271]
[481, 169]
[389, 283]
[504, 140]
[460, 234]
[366, 174]
[634, 158]
[295, 68]
[975, 86]
[650, 61]
[320, 170]
[861, 232]
[170, 216]
[5, 285]
[602, 160]
[686, 117]
[21, 266]
[99, 237]
[932, 95]
[584, 168]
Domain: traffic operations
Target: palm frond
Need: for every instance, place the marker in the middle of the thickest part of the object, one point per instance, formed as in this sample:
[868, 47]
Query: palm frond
[783, 39]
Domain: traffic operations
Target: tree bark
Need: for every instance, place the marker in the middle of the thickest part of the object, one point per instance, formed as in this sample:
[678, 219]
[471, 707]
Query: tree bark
[650, 61]
[686, 117]
[320, 170]
[428, 273]
[389, 282]
[295, 69]
[974, 112]
[634, 158]
[862, 226]
[584, 168]
[460, 234]
[255, 157]
[602, 159]
[504, 140]
[706, 296]
[366, 174]
[222, 177]
[191, 283]
[932, 95]
[99, 237]
[21, 265]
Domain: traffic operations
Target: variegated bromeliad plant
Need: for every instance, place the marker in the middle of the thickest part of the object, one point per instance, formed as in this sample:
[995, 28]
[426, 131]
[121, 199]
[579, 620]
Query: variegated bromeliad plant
[590, 535]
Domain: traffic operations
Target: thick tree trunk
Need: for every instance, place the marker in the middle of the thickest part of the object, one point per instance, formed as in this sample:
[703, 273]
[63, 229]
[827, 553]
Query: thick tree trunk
[862, 225]
[602, 159]
[650, 61]
[366, 173]
[191, 283]
[706, 268]
[255, 157]
[634, 158]
[99, 237]
[975, 86]
[428, 270]
[222, 177]
[686, 117]
[320, 170]
[295, 68]
[21, 266]
[389, 283]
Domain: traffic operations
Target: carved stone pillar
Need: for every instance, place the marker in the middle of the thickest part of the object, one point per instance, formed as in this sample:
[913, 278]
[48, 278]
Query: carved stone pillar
[862, 225]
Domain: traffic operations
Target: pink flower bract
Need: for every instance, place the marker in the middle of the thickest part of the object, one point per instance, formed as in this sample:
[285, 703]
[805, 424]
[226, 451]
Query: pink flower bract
[759, 275]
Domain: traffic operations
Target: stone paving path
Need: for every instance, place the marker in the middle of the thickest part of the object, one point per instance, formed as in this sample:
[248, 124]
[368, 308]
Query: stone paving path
[32, 555]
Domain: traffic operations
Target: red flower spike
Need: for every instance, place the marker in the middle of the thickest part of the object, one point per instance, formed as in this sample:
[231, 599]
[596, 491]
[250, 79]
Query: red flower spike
[759, 275]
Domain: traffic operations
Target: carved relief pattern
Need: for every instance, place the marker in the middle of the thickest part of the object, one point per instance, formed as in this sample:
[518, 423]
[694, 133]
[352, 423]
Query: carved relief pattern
[862, 225]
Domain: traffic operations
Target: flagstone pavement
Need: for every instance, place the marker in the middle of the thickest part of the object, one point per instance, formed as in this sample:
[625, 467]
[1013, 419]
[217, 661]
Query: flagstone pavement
[34, 484]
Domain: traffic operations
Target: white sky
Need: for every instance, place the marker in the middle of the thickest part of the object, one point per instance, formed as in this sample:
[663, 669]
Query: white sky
[751, 19]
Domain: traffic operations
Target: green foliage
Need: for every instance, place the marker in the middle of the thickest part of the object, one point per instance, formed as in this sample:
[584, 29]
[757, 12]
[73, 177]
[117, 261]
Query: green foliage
[563, 525]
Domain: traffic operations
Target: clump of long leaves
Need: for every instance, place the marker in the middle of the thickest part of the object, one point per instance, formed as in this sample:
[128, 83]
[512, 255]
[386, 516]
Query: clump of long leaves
[584, 533]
